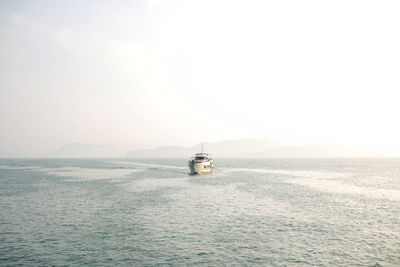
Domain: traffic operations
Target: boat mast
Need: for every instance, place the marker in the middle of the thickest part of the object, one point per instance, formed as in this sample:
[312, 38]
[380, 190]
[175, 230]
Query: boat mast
[202, 148]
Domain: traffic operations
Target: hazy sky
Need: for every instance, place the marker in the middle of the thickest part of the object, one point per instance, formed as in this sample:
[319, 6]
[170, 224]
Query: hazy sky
[181, 72]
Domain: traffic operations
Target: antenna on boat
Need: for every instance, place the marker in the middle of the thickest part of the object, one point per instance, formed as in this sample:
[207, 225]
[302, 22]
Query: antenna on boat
[202, 148]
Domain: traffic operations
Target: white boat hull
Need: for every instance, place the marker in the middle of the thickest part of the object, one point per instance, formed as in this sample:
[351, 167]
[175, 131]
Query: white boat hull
[200, 167]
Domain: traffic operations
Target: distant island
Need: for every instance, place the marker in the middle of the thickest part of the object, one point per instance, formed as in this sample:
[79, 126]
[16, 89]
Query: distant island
[229, 148]
[241, 148]
[252, 148]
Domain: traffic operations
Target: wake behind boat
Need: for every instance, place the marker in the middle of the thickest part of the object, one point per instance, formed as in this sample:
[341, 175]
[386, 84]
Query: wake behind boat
[201, 163]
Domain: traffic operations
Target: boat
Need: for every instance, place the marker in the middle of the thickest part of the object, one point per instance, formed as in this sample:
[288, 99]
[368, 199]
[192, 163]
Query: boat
[201, 163]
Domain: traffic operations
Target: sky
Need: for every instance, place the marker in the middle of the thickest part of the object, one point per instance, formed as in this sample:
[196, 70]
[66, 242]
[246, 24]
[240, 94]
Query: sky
[150, 73]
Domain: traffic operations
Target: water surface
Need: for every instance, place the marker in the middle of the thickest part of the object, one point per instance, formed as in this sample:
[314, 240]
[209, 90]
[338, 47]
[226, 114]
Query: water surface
[286, 212]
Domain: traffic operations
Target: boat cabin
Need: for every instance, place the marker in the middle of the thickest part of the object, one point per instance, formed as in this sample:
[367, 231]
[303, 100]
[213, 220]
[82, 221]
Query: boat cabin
[202, 156]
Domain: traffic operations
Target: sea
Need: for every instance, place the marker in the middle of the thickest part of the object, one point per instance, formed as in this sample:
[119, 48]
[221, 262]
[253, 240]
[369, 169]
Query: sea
[248, 212]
